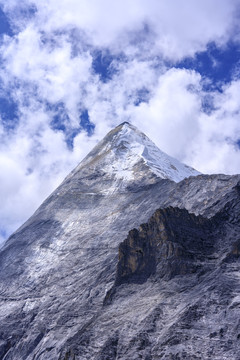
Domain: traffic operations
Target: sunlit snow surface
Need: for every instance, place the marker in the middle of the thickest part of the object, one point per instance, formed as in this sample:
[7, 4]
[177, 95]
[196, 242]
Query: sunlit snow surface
[129, 146]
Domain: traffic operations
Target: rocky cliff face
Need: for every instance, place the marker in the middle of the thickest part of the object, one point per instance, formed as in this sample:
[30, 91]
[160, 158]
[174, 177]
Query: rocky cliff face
[173, 242]
[83, 279]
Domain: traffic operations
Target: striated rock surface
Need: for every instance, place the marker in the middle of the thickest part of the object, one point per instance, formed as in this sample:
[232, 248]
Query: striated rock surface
[173, 242]
[83, 279]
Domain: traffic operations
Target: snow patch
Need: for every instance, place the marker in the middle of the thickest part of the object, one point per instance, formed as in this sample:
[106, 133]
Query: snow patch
[129, 146]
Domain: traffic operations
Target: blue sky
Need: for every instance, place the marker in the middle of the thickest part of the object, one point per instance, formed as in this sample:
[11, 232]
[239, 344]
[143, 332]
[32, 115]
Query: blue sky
[72, 70]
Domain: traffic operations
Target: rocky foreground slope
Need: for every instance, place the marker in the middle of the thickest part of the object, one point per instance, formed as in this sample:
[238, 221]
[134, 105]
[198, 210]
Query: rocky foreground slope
[130, 258]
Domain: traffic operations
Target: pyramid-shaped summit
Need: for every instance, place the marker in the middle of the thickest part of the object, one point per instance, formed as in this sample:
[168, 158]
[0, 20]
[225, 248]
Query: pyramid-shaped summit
[127, 156]
[122, 261]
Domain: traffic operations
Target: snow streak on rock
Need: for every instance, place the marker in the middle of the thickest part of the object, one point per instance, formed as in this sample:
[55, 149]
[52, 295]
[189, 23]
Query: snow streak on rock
[125, 149]
[135, 145]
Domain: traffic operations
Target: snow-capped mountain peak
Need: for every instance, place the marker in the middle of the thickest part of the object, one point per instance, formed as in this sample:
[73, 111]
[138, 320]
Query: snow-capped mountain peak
[125, 150]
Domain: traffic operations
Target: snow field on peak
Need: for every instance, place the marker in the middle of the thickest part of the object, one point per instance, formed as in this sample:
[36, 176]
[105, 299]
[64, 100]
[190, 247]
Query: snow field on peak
[129, 146]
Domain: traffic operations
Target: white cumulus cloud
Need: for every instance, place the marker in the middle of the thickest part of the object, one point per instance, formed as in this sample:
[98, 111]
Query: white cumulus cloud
[47, 69]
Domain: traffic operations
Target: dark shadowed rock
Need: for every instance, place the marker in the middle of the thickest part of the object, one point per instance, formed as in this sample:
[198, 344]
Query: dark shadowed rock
[171, 286]
[173, 242]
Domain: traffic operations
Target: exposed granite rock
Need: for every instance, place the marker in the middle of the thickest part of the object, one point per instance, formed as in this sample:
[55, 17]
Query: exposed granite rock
[177, 297]
[173, 242]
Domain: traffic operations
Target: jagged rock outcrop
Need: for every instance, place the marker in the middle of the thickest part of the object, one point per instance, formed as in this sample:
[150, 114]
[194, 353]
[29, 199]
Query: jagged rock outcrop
[65, 295]
[173, 242]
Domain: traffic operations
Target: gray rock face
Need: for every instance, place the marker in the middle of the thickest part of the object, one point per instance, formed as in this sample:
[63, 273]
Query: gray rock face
[77, 282]
[173, 242]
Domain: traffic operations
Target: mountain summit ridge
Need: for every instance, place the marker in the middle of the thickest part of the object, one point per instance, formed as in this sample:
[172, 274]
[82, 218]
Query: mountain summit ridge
[125, 152]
